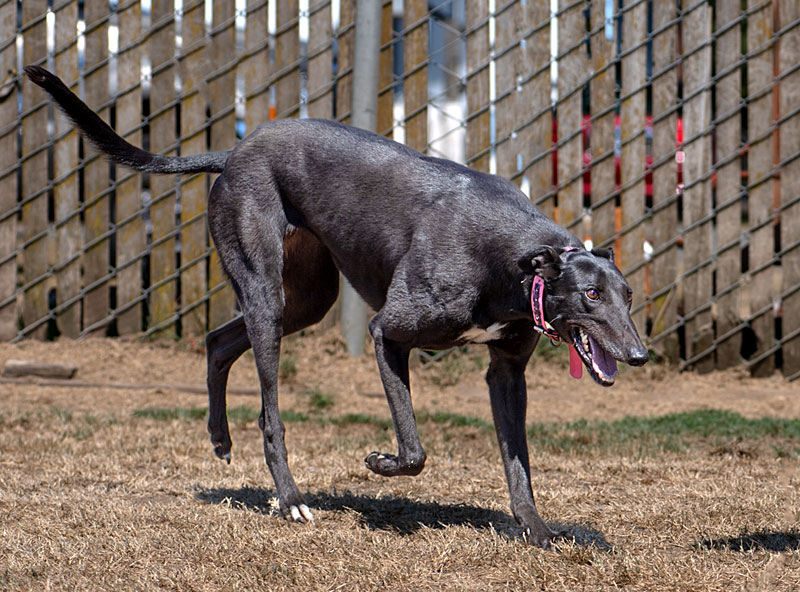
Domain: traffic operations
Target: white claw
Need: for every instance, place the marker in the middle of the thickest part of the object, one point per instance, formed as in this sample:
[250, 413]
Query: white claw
[295, 514]
[301, 513]
[306, 513]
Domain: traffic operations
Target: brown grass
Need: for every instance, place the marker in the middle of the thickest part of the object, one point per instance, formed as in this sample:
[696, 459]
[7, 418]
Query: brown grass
[93, 497]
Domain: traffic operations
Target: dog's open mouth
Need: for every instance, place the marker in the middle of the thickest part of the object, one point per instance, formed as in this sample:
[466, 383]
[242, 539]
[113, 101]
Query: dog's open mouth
[601, 365]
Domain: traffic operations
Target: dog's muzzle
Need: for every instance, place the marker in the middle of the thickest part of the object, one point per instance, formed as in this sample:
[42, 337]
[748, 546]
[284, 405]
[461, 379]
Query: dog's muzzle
[583, 351]
[603, 365]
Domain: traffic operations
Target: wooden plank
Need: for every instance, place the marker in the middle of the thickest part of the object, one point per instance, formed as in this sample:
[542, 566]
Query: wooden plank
[415, 89]
[632, 122]
[759, 176]
[17, 368]
[664, 227]
[790, 183]
[728, 171]
[193, 188]
[508, 109]
[345, 36]
[161, 49]
[287, 59]
[34, 178]
[131, 232]
[601, 141]
[199, 389]
[320, 63]
[96, 261]
[222, 304]
[572, 75]
[8, 182]
[478, 120]
[65, 187]
[697, 195]
[536, 139]
[385, 119]
[256, 67]
[517, 91]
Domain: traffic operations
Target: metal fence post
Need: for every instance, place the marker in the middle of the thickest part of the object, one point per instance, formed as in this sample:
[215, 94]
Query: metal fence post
[364, 115]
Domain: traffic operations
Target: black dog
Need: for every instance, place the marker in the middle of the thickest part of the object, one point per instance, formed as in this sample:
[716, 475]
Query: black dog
[445, 254]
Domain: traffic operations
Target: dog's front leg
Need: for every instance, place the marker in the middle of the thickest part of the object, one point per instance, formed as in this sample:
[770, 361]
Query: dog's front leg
[507, 390]
[393, 365]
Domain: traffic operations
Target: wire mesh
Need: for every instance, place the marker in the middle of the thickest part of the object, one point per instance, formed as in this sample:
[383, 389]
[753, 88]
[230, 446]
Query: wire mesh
[667, 130]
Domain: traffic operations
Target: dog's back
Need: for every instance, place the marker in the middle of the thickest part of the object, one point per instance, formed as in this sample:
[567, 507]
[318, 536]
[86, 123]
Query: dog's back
[367, 198]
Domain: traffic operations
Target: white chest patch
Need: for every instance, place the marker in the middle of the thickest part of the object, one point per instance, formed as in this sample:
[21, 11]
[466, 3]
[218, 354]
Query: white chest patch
[478, 335]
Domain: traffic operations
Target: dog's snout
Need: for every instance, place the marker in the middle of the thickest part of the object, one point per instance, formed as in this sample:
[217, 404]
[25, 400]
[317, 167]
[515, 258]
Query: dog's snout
[638, 356]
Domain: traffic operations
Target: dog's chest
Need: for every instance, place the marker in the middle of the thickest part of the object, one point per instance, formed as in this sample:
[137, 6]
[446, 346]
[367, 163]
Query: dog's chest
[483, 335]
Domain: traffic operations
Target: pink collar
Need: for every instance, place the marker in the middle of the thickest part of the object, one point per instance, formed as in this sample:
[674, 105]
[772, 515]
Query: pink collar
[546, 329]
[537, 306]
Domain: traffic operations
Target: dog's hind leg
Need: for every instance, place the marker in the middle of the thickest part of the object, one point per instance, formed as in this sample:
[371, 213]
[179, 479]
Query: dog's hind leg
[224, 345]
[248, 229]
[310, 286]
[507, 391]
[392, 360]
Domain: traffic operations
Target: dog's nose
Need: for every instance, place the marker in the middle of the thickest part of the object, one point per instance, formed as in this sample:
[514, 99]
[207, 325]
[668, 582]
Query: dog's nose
[638, 356]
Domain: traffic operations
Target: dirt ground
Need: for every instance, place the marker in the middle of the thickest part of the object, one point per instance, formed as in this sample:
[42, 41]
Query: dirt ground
[455, 384]
[95, 497]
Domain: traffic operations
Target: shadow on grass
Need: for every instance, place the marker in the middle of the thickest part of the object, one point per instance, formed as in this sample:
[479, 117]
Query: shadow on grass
[757, 541]
[583, 536]
[399, 514]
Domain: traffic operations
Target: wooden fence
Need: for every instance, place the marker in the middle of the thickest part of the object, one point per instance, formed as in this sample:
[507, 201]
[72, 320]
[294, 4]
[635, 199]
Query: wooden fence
[669, 130]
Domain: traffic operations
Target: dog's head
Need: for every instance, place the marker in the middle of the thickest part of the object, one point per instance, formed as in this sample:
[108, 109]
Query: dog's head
[587, 301]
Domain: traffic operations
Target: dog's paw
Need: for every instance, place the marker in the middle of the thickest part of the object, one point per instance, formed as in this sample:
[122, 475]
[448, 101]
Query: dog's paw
[222, 444]
[389, 465]
[222, 450]
[223, 453]
[542, 538]
[292, 507]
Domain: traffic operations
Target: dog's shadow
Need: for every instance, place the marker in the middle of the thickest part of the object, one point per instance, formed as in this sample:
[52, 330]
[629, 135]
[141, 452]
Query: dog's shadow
[777, 542]
[399, 514]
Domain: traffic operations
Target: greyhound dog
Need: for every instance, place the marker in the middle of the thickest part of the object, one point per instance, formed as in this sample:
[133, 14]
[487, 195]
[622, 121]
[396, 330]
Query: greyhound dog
[446, 256]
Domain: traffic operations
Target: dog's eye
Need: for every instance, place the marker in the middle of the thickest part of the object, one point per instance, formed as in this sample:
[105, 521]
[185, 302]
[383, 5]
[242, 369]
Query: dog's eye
[592, 294]
[630, 296]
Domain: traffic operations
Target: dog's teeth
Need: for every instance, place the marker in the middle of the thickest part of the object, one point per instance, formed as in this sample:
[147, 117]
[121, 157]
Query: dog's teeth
[584, 341]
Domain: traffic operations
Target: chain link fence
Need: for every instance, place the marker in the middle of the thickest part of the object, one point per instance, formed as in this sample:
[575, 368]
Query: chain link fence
[668, 130]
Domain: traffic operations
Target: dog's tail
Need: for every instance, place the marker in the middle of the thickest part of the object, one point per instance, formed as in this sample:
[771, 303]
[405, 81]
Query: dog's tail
[107, 141]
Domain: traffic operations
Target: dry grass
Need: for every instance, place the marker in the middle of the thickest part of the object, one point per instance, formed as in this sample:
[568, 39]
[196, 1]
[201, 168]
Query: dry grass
[94, 496]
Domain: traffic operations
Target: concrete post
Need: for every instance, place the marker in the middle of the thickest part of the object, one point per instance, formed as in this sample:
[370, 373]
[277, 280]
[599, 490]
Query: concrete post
[364, 114]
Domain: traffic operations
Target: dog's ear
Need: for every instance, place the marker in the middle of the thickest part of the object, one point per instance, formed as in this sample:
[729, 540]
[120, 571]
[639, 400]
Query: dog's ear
[606, 253]
[543, 261]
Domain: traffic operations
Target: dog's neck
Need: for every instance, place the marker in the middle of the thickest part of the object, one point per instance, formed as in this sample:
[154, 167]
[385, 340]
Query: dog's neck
[537, 305]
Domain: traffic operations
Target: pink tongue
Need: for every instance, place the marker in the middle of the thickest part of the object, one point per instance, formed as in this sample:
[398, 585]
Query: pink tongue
[575, 363]
[604, 361]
